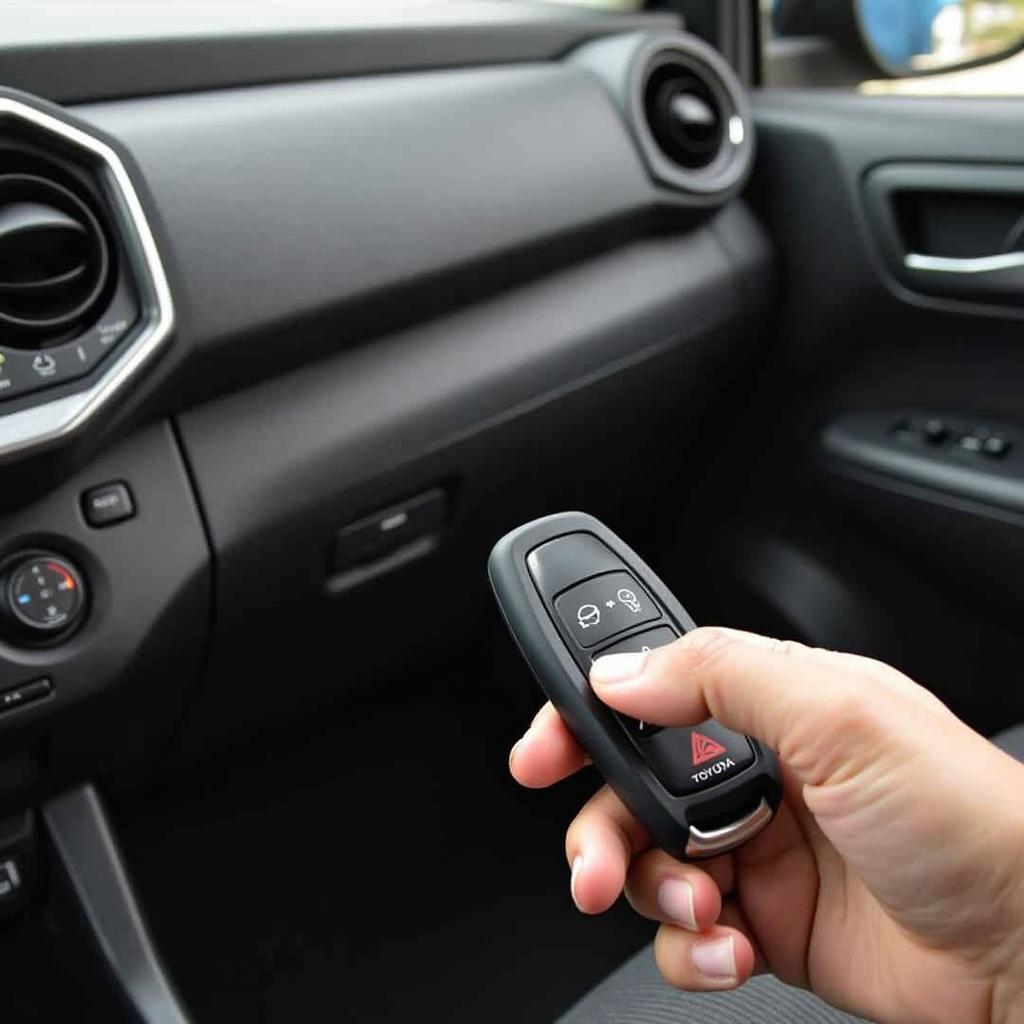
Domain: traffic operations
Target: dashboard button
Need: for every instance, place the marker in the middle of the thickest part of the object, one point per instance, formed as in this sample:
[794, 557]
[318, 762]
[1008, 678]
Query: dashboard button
[44, 366]
[19, 695]
[108, 504]
[103, 337]
[16, 375]
[24, 371]
[30, 371]
[7, 384]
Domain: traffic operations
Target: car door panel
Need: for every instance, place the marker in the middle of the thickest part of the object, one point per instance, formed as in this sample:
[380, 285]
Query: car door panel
[921, 568]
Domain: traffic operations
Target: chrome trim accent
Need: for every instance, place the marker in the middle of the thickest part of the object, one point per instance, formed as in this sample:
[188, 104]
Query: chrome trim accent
[721, 840]
[54, 420]
[971, 265]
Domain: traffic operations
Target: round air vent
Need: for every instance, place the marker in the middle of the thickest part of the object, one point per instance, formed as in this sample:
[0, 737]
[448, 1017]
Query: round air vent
[685, 116]
[685, 108]
[54, 260]
[690, 116]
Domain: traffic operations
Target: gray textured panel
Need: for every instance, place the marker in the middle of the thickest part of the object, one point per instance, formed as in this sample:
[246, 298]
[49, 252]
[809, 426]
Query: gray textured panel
[636, 994]
[70, 52]
[381, 405]
[286, 200]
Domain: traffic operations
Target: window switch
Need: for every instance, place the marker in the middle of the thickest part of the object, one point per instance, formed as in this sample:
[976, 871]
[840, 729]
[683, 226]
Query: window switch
[996, 446]
[935, 432]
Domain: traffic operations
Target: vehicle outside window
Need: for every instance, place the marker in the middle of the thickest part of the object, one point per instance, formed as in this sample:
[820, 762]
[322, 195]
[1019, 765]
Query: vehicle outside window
[916, 47]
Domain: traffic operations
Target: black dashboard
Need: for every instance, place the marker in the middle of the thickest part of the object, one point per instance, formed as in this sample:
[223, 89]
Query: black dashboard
[306, 326]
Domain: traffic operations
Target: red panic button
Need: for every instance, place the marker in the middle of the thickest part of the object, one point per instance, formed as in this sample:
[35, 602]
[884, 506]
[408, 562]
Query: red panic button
[703, 748]
[690, 760]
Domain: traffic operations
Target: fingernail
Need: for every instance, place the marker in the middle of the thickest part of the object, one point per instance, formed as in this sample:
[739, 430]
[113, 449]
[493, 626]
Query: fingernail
[577, 863]
[512, 752]
[715, 958]
[617, 668]
[675, 899]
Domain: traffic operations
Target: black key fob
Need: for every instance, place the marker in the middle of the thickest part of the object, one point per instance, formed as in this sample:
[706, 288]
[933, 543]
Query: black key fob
[570, 590]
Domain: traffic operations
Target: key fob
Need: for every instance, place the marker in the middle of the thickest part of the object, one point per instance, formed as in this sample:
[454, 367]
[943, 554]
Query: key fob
[570, 590]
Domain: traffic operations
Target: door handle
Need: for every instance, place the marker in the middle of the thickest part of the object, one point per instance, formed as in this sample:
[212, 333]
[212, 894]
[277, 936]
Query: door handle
[908, 207]
[964, 265]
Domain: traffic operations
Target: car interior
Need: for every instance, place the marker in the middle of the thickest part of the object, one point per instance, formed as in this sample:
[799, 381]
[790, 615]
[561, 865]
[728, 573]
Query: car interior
[302, 307]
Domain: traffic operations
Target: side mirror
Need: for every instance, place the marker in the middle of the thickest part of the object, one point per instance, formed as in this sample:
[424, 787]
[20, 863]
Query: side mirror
[919, 37]
[845, 41]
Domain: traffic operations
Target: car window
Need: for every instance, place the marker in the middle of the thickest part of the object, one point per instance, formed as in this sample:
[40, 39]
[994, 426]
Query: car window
[882, 48]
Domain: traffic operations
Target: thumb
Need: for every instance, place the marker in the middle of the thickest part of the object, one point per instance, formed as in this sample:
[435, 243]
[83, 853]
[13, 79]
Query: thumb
[820, 711]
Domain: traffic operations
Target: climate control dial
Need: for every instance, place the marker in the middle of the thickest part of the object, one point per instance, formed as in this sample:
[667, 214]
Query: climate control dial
[41, 595]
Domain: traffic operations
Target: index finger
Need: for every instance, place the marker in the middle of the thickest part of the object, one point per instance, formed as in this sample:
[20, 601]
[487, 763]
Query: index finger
[547, 752]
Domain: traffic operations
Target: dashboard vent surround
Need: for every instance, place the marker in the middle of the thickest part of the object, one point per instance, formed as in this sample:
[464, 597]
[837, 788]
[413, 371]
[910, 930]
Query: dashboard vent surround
[690, 116]
[685, 108]
[84, 301]
[55, 261]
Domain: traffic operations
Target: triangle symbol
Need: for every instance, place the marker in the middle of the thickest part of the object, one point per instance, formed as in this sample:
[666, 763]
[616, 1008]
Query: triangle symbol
[704, 749]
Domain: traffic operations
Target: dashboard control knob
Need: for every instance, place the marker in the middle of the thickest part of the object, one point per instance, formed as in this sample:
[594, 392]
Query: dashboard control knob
[41, 595]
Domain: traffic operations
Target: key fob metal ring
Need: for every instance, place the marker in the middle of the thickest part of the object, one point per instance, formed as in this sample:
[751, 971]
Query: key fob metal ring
[570, 590]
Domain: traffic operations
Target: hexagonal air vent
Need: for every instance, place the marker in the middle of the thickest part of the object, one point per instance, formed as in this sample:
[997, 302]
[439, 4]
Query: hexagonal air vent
[84, 301]
[54, 259]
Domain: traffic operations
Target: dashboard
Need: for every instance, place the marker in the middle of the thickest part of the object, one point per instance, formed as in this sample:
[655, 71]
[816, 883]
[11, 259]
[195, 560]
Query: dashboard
[290, 331]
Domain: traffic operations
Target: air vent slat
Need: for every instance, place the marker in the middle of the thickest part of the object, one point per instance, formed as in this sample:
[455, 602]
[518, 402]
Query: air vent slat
[692, 117]
[54, 262]
[685, 116]
[43, 283]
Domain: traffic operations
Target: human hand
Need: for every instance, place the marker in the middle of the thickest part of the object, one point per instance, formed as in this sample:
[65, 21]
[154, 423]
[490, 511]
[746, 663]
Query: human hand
[891, 881]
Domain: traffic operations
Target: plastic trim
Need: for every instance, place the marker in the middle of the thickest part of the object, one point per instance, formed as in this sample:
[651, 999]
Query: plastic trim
[54, 420]
[87, 849]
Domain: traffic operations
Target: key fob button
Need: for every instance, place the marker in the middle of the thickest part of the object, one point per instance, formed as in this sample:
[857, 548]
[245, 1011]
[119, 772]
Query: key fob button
[645, 641]
[603, 606]
[693, 759]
